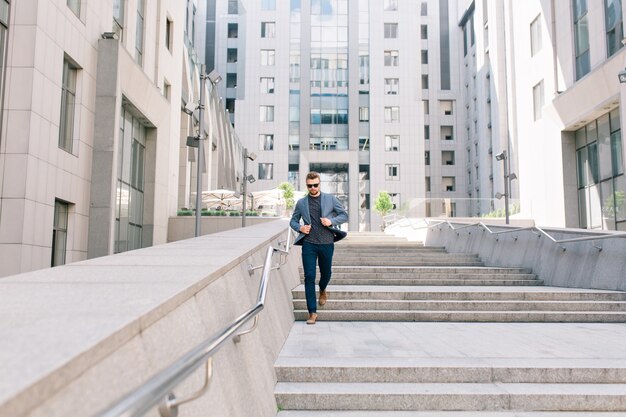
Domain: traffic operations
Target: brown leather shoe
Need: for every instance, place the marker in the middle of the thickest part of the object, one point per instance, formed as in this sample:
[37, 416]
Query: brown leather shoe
[323, 297]
[312, 318]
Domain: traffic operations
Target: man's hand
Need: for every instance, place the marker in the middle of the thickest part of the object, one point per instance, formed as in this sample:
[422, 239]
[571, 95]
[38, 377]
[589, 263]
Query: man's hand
[305, 228]
[326, 222]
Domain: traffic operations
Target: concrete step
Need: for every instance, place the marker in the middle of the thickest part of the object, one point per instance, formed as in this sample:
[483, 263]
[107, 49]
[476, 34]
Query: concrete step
[429, 275]
[426, 262]
[390, 253]
[435, 281]
[476, 305]
[437, 370]
[497, 293]
[467, 316]
[328, 413]
[430, 269]
[451, 396]
[401, 260]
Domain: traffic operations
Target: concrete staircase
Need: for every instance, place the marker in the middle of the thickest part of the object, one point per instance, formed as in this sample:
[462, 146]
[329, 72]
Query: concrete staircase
[415, 331]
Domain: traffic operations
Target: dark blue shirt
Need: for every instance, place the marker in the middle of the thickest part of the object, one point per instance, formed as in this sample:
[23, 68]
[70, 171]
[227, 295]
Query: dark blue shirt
[319, 234]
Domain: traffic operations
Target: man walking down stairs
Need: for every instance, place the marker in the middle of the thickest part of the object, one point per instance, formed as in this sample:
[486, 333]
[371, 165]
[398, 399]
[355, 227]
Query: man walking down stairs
[414, 331]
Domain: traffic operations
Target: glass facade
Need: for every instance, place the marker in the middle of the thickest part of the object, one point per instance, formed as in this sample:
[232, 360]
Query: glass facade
[614, 26]
[600, 174]
[581, 38]
[130, 183]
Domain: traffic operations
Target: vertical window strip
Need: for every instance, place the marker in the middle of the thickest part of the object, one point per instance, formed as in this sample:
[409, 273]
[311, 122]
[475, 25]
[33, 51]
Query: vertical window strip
[68, 107]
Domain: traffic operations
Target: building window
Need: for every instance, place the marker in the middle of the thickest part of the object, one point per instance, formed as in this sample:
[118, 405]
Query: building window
[167, 90]
[230, 105]
[424, 9]
[391, 30]
[59, 233]
[364, 69]
[581, 38]
[267, 85]
[267, 113]
[74, 6]
[538, 100]
[447, 133]
[449, 183]
[426, 157]
[268, 29]
[68, 106]
[130, 184]
[391, 86]
[118, 17]
[535, 36]
[267, 57]
[233, 30]
[424, 81]
[446, 107]
[231, 80]
[424, 31]
[233, 6]
[447, 157]
[392, 172]
[266, 142]
[391, 58]
[390, 5]
[364, 143]
[424, 56]
[139, 34]
[392, 143]
[427, 184]
[268, 4]
[614, 25]
[231, 55]
[266, 171]
[392, 114]
[426, 132]
[426, 105]
[168, 34]
[364, 114]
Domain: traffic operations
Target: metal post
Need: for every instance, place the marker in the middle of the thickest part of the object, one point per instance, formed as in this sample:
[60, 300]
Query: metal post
[200, 152]
[506, 187]
[245, 187]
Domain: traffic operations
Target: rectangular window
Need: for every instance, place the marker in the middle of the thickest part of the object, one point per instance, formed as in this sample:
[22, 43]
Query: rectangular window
[59, 233]
[233, 30]
[392, 114]
[427, 184]
[426, 132]
[169, 25]
[581, 38]
[364, 114]
[390, 5]
[364, 69]
[392, 172]
[268, 29]
[268, 4]
[74, 6]
[364, 143]
[266, 113]
[118, 17]
[231, 55]
[449, 183]
[426, 157]
[447, 157]
[424, 9]
[535, 36]
[230, 105]
[447, 133]
[424, 56]
[267, 57]
[538, 100]
[267, 85]
[392, 143]
[446, 107]
[68, 106]
[391, 30]
[426, 105]
[424, 81]
[614, 26]
[266, 142]
[139, 33]
[233, 6]
[391, 58]
[266, 171]
[424, 31]
[391, 86]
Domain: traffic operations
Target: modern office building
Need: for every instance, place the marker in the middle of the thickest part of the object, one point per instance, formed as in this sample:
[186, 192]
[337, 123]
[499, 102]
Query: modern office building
[365, 92]
[93, 154]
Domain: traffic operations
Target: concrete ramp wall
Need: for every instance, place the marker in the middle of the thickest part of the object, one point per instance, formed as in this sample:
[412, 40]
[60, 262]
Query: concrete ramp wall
[595, 264]
[73, 339]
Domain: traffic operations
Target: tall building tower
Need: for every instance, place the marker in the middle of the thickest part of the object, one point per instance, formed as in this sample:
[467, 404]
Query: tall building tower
[365, 92]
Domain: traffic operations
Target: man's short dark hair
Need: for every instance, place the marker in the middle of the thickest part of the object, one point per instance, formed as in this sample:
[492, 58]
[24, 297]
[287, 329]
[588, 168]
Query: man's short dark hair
[312, 175]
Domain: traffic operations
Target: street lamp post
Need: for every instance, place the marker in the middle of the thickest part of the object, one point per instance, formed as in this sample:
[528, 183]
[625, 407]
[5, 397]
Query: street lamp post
[502, 156]
[246, 178]
[203, 77]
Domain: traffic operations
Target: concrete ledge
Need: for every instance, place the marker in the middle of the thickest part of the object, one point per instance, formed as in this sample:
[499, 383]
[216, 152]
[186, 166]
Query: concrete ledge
[580, 265]
[75, 338]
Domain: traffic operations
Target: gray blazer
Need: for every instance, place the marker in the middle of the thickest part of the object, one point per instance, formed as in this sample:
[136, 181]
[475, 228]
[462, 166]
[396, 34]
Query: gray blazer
[331, 209]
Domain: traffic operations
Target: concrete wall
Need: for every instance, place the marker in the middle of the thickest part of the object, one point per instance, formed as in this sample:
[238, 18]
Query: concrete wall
[184, 227]
[580, 265]
[77, 337]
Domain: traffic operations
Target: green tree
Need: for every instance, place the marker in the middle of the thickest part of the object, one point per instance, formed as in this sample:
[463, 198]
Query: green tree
[383, 205]
[289, 191]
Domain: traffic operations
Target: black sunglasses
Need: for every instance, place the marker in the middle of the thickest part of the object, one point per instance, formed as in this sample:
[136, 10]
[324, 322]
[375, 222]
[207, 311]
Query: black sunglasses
[313, 185]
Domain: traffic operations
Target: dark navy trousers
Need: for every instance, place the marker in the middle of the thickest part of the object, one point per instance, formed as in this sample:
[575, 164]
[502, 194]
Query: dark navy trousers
[313, 254]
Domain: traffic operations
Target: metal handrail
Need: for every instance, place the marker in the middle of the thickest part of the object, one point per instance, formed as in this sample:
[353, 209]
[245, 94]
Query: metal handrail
[533, 229]
[158, 389]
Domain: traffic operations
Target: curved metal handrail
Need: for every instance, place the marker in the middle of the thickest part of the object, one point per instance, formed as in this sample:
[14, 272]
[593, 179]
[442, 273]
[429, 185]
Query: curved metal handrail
[158, 389]
[534, 229]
